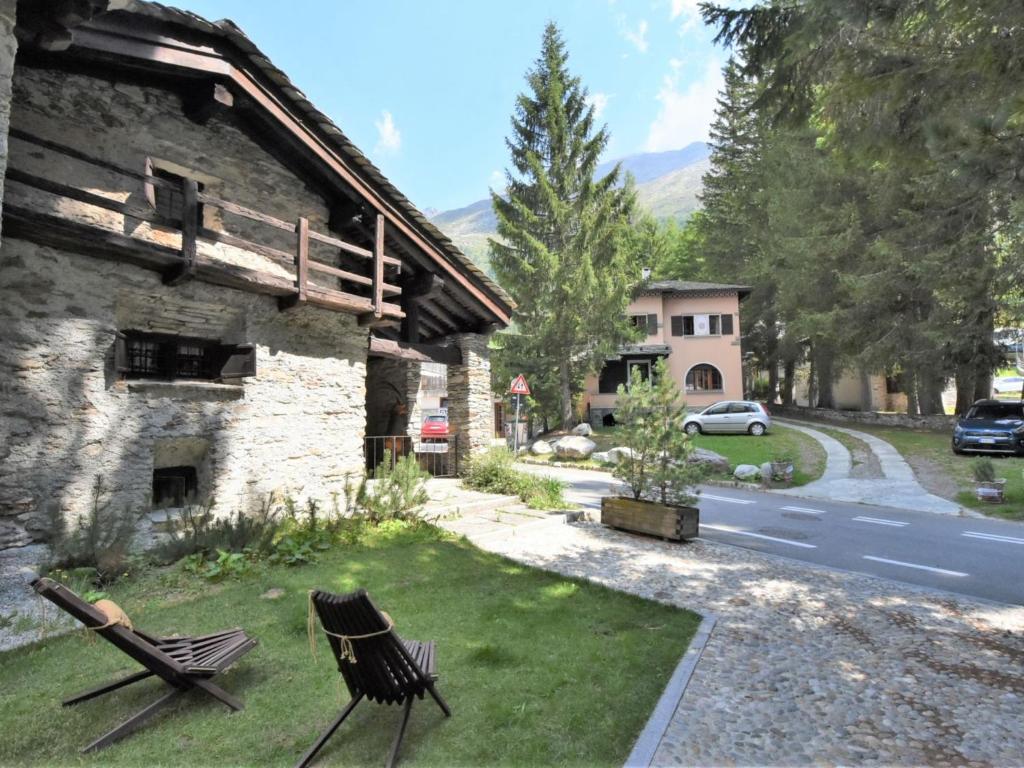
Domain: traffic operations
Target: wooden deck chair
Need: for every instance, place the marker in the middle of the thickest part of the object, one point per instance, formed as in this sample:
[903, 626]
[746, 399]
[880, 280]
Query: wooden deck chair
[184, 663]
[374, 661]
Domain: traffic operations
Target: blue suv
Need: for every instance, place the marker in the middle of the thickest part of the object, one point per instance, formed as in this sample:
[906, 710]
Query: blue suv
[991, 426]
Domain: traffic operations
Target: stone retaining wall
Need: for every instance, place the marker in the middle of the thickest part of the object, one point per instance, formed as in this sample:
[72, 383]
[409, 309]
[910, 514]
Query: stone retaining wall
[8, 48]
[939, 423]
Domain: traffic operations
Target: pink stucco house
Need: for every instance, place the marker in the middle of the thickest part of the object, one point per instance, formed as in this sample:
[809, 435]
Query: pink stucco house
[695, 326]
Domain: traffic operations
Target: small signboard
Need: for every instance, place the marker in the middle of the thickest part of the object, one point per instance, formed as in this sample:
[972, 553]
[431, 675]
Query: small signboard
[519, 386]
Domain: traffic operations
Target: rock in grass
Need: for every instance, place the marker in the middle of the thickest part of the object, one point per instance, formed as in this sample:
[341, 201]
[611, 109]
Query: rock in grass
[540, 448]
[601, 457]
[715, 462]
[747, 472]
[273, 594]
[620, 454]
[584, 430]
[574, 447]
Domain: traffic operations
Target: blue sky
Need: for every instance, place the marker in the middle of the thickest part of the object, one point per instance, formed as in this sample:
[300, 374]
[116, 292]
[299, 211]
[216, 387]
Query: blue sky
[426, 89]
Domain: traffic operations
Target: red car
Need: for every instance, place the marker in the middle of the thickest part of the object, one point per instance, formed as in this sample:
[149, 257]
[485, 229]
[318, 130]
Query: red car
[434, 426]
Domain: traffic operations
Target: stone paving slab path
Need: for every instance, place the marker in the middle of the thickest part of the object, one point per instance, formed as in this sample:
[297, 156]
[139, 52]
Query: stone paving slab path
[898, 488]
[812, 666]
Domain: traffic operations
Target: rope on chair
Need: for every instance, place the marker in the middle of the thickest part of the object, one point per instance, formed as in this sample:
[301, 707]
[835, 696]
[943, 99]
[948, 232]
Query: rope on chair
[348, 652]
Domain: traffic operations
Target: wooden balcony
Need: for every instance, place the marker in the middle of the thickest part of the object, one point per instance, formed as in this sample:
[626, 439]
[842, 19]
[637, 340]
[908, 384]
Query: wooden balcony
[182, 249]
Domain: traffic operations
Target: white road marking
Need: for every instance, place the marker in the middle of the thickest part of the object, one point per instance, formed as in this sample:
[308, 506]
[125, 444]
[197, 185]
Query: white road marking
[806, 509]
[725, 498]
[992, 537]
[881, 521]
[727, 529]
[943, 571]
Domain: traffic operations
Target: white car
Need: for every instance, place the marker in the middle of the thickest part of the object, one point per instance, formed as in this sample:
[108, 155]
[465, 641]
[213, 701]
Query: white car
[1007, 385]
[737, 416]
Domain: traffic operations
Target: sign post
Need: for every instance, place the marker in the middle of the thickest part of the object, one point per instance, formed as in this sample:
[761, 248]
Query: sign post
[518, 388]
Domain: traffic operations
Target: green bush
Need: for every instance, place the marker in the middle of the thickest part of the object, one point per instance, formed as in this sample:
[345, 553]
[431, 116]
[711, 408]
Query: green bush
[100, 540]
[398, 493]
[493, 471]
[198, 531]
[984, 470]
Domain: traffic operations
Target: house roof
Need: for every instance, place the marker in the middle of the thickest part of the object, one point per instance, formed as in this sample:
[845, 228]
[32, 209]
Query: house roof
[691, 288]
[230, 31]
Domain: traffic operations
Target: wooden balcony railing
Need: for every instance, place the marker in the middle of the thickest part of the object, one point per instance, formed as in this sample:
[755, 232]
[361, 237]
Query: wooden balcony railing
[192, 232]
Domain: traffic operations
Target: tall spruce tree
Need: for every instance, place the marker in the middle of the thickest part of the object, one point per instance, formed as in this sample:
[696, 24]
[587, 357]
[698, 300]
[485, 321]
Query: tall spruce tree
[562, 253]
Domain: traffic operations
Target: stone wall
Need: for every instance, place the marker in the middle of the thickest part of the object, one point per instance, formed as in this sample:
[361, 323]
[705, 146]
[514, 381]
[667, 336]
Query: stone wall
[128, 125]
[8, 48]
[470, 401]
[296, 427]
[939, 423]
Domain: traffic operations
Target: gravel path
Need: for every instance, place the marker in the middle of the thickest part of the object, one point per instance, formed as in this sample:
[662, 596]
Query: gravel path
[810, 666]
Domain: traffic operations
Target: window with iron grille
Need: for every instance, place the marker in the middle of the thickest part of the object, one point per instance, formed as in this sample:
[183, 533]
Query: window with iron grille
[141, 355]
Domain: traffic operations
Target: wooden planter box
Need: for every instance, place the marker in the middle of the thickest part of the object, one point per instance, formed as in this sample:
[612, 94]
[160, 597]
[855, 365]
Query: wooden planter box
[990, 491]
[665, 520]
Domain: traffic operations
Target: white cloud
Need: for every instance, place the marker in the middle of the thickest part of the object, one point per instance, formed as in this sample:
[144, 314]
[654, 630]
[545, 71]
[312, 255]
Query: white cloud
[638, 36]
[599, 101]
[497, 181]
[686, 111]
[389, 138]
[689, 11]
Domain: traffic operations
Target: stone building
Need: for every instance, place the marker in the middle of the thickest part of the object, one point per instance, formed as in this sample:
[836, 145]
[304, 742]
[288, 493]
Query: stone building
[206, 291]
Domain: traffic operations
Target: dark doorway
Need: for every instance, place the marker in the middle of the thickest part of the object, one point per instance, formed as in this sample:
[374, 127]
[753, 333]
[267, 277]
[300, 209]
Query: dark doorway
[174, 487]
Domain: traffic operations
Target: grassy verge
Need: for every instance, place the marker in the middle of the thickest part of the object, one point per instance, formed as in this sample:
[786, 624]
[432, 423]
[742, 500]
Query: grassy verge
[538, 669]
[944, 473]
[808, 456]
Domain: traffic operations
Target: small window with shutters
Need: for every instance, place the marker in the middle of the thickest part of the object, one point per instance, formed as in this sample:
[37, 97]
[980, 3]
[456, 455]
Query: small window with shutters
[677, 325]
[727, 325]
[141, 355]
[646, 323]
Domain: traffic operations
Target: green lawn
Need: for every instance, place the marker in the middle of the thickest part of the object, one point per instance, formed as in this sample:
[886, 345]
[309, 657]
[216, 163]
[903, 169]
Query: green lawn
[808, 456]
[538, 669]
[930, 455]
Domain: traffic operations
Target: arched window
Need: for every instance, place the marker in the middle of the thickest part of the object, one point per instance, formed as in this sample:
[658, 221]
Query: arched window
[703, 378]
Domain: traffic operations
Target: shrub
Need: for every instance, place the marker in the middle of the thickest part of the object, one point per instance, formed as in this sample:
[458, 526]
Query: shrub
[984, 470]
[399, 492]
[493, 471]
[100, 540]
[652, 415]
[198, 532]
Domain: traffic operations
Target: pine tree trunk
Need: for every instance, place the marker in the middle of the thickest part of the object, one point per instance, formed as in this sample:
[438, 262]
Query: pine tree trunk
[982, 385]
[812, 384]
[565, 388]
[911, 383]
[788, 375]
[931, 394]
[773, 382]
[966, 381]
[865, 389]
[824, 368]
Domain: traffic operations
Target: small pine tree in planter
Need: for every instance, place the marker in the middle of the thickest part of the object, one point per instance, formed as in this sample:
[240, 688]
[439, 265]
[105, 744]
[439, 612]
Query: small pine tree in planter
[657, 470]
[987, 486]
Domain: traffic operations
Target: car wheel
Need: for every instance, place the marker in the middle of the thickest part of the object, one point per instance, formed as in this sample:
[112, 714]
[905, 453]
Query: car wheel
[956, 450]
[692, 428]
[756, 429]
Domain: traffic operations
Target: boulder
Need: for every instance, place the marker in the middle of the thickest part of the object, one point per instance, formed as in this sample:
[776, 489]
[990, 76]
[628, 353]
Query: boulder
[715, 462]
[766, 472]
[600, 457]
[747, 472]
[541, 448]
[574, 447]
[583, 430]
[619, 455]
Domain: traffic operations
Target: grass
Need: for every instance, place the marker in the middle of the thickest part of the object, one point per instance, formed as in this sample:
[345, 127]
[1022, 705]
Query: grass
[808, 456]
[538, 668]
[929, 452]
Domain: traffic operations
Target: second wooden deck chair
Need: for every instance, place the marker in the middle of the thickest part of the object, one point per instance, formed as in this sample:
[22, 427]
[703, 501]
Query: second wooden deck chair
[184, 663]
[374, 661]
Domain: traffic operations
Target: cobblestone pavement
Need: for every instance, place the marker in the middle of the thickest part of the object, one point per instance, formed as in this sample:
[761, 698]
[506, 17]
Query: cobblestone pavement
[808, 665]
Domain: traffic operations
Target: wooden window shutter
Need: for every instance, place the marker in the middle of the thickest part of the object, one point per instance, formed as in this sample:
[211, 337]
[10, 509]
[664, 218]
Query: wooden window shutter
[121, 353]
[652, 325]
[239, 361]
[727, 325]
[677, 325]
[147, 185]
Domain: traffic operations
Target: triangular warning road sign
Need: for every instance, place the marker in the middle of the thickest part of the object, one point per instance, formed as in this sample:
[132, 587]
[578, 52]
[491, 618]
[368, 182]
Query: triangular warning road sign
[519, 386]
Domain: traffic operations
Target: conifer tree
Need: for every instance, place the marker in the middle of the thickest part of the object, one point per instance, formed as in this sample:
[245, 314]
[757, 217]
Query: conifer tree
[562, 253]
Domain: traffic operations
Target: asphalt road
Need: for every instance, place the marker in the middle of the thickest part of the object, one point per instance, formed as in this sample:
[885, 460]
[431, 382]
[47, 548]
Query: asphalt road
[976, 557]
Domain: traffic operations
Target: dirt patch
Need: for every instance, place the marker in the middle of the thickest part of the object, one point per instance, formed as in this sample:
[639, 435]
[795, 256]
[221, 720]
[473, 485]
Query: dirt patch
[933, 476]
[865, 463]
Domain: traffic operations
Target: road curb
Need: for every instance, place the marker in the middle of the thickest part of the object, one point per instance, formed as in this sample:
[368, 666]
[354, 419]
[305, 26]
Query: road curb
[650, 737]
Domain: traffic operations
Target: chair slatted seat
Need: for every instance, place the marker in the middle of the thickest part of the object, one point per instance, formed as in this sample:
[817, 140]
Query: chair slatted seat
[385, 668]
[184, 663]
